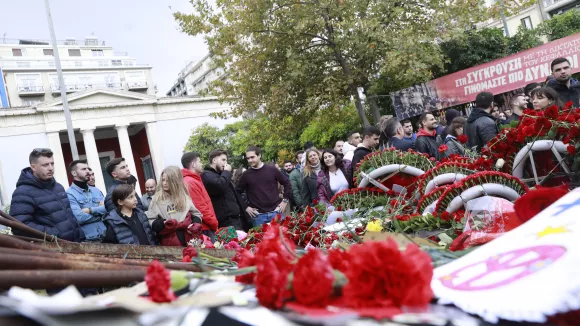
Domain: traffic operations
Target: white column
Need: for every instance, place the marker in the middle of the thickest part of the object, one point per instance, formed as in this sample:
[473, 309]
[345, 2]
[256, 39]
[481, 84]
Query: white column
[127, 152]
[60, 170]
[154, 147]
[93, 157]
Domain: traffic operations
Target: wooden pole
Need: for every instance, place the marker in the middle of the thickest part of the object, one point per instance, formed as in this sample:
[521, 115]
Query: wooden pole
[55, 279]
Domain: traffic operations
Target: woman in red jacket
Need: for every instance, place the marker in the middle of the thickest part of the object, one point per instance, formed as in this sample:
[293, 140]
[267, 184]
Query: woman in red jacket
[176, 220]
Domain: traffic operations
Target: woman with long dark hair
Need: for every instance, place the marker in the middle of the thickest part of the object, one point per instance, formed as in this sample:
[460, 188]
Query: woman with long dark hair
[333, 177]
[455, 130]
[544, 97]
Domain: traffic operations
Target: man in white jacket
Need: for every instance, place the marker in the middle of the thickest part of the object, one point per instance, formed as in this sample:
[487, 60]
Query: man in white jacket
[348, 148]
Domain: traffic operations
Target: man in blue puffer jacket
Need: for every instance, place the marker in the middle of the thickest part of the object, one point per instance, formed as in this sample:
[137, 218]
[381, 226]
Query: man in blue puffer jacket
[41, 203]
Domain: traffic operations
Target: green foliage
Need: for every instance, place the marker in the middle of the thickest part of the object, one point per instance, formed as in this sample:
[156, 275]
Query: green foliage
[293, 58]
[562, 25]
[205, 139]
[331, 125]
[524, 39]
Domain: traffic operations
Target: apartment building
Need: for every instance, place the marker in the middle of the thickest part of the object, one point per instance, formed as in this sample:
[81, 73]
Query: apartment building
[29, 71]
[195, 77]
[557, 7]
[529, 18]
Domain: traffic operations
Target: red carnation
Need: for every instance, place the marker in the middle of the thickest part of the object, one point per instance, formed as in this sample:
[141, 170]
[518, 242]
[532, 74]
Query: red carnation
[188, 253]
[244, 258]
[443, 148]
[462, 139]
[158, 281]
[571, 149]
[551, 112]
[534, 201]
[373, 281]
[338, 259]
[528, 131]
[313, 279]
[272, 283]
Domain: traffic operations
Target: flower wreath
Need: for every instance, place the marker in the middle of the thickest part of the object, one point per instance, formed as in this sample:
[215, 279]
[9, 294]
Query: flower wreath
[362, 198]
[430, 198]
[391, 156]
[449, 167]
[550, 124]
[480, 178]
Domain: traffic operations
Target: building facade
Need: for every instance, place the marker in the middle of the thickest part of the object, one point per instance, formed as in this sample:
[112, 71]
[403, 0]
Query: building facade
[195, 78]
[557, 7]
[528, 18]
[149, 132]
[29, 71]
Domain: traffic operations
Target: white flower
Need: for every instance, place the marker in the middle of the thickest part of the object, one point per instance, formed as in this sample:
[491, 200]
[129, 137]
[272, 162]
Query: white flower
[499, 164]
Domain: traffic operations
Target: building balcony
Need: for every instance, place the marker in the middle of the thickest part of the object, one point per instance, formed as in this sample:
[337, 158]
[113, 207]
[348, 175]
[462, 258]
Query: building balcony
[135, 85]
[27, 90]
[94, 63]
[81, 87]
[553, 4]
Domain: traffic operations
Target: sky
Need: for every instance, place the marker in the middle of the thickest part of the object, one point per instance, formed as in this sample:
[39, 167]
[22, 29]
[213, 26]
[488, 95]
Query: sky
[143, 28]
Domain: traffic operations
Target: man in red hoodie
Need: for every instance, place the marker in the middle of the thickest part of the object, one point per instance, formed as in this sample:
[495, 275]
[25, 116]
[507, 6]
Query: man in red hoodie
[192, 167]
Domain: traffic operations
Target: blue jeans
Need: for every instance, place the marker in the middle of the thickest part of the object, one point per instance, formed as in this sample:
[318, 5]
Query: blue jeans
[265, 218]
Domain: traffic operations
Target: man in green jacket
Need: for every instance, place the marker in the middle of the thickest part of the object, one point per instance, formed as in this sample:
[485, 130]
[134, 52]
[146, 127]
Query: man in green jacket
[296, 181]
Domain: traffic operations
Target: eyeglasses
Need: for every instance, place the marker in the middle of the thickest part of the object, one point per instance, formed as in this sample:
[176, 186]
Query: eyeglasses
[42, 151]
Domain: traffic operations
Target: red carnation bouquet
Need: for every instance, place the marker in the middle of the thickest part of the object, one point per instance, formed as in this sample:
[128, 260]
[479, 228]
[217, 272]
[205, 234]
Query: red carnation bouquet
[375, 279]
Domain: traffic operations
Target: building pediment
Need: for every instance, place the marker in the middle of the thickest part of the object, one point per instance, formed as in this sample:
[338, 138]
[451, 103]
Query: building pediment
[97, 97]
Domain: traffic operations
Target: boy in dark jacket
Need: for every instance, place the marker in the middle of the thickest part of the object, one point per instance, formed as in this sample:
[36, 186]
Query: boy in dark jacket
[370, 141]
[41, 203]
[481, 126]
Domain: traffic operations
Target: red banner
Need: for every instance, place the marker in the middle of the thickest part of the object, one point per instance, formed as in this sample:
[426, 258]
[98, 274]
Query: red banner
[499, 76]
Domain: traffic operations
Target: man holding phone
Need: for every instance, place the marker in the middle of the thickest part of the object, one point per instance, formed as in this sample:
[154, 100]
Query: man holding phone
[260, 185]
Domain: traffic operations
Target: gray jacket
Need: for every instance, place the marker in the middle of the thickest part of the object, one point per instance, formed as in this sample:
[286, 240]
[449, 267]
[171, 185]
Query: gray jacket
[453, 146]
[480, 129]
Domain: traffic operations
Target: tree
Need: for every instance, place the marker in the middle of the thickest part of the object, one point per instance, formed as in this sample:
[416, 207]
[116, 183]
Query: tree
[562, 25]
[332, 125]
[205, 139]
[292, 58]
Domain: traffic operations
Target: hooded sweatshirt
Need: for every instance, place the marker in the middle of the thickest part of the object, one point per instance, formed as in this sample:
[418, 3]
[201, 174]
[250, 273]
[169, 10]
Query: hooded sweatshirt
[427, 143]
[348, 151]
[200, 198]
[44, 206]
[480, 129]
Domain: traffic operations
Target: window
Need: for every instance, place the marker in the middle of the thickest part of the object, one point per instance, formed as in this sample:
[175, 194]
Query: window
[527, 23]
[148, 167]
[30, 102]
[23, 64]
[97, 53]
[103, 63]
[74, 52]
[18, 52]
[48, 52]
[116, 63]
[128, 63]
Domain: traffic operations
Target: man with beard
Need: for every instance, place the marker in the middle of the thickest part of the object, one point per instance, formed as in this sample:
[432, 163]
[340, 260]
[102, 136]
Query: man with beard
[260, 184]
[481, 127]
[118, 169]
[338, 146]
[427, 141]
[568, 88]
[86, 202]
[518, 104]
[228, 206]
[150, 189]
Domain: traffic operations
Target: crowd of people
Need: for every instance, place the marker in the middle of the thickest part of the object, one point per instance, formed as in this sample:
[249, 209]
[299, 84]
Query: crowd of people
[196, 200]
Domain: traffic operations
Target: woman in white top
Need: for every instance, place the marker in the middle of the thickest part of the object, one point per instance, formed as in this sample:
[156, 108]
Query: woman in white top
[334, 176]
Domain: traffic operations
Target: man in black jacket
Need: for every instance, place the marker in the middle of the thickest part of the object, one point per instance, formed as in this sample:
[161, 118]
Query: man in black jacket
[393, 131]
[119, 170]
[481, 127]
[41, 203]
[370, 141]
[427, 141]
[568, 88]
[228, 206]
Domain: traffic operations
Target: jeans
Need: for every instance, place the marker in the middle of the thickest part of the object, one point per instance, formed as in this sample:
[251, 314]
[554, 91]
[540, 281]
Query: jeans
[265, 218]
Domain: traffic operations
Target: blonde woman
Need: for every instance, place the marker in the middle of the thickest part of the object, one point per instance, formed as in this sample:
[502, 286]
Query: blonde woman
[175, 218]
[312, 167]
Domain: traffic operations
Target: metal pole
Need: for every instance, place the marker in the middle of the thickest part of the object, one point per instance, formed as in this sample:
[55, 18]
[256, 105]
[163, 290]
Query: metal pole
[505, 26]
[69, 126]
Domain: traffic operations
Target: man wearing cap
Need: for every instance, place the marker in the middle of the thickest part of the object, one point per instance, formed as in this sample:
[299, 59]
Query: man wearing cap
[481, 127]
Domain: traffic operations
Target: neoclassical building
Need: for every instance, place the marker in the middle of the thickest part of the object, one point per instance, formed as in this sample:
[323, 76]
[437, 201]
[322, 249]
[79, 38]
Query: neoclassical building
[149, 132]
